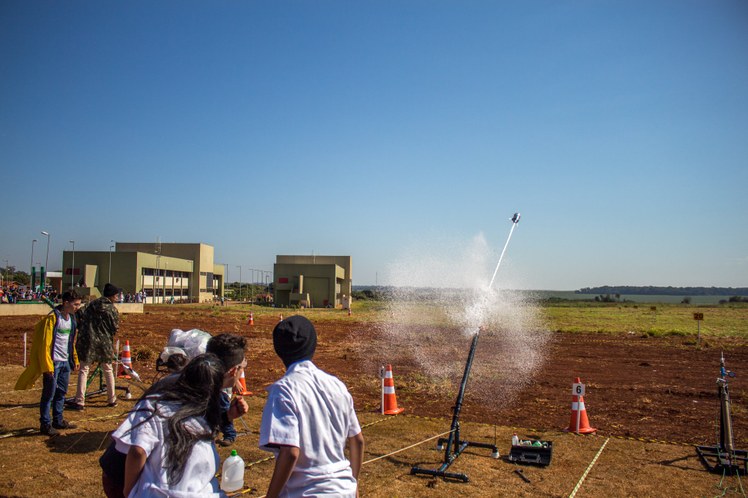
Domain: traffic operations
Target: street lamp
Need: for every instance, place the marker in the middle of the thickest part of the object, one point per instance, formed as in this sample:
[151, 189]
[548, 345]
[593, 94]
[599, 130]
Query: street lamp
[110, 263]
[32, 261]
[72, 266]
[46, 260]
[240, 281]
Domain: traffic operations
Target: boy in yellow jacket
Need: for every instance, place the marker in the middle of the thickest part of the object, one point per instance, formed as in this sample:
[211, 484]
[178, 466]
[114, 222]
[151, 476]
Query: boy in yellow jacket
[53, 356]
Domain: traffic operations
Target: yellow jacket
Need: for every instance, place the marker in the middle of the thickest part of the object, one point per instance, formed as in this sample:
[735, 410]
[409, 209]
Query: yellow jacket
[42, 344]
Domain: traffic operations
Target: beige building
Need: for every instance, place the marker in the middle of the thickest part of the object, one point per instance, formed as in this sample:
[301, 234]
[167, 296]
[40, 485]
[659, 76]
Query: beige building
[164, 271]
[312, 281]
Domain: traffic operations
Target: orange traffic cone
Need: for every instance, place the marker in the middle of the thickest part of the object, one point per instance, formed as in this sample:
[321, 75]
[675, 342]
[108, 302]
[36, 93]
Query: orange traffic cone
[389, 400]
[125, 361]
[579, 422]
[251, 319]
[243, 382]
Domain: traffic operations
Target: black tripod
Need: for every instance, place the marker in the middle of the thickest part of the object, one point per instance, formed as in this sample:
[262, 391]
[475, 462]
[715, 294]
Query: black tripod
[455, 446]
[724, 458]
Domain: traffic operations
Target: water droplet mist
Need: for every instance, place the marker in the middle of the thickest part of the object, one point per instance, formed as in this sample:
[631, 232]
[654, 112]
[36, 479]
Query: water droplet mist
[441, 298]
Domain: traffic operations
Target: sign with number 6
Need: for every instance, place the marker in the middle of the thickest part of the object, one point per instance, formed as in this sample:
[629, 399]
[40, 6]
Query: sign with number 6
[577, 389]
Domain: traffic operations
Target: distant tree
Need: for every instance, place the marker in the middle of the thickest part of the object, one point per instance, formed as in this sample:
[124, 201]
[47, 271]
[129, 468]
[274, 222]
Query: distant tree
[686, 300]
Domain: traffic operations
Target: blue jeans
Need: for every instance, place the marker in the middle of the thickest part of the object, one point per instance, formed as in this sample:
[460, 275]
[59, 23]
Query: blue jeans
[228, 430]
[54, 388]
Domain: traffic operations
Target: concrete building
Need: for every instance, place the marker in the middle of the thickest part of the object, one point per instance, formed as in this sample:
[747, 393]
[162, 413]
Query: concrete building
[165, 271]
[312, 281]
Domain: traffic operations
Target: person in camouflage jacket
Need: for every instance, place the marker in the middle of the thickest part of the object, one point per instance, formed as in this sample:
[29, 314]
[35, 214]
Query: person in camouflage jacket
[99, 324]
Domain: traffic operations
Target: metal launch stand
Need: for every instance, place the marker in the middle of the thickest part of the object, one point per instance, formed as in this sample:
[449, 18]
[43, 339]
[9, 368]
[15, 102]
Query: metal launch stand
[455, 446]
[724, 459]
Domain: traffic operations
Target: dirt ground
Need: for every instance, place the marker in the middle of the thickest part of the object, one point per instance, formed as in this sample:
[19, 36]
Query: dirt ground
[651, 400]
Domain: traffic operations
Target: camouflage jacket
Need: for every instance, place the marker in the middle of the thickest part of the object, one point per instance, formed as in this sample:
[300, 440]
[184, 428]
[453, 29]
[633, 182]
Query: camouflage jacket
[98, 325]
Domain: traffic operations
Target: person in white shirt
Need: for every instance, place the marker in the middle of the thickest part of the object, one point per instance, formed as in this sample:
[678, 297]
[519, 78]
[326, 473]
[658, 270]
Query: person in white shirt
[308, 421]
[169, 434]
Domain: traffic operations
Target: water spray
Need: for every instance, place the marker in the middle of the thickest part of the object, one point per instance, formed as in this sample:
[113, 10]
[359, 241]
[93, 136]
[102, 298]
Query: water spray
[454, 445]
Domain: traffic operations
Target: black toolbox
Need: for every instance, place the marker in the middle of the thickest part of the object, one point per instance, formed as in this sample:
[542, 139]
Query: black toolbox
[533, 455]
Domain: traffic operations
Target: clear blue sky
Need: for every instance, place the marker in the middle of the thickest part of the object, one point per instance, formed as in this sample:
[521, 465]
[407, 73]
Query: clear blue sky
[373, 128]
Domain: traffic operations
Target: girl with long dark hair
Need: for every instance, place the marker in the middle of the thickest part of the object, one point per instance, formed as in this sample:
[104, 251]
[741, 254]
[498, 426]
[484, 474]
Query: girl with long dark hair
[170, 434]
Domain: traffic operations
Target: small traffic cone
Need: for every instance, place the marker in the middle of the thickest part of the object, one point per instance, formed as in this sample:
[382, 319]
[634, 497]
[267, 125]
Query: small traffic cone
[349, 312]
[251, 319]
[579, 415]
[243, 382]
[125, 361]
[389, 400]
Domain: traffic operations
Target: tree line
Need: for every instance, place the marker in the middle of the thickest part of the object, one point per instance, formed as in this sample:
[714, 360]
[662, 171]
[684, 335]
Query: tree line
[665, 291]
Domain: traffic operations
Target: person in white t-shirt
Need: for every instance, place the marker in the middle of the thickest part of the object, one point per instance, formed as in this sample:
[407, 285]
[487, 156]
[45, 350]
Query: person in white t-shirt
[53, 356]
[169, 434]
[308, 421]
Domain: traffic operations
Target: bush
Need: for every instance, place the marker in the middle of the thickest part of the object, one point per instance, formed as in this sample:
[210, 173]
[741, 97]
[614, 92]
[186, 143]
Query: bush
[144, 354]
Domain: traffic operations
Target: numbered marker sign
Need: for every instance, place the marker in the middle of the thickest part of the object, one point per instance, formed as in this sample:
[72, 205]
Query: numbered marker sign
[577, 389]
[698, 316]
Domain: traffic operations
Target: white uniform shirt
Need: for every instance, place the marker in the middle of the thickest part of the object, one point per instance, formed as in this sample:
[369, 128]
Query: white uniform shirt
[62, 339]
[200, 469]
[313, 411]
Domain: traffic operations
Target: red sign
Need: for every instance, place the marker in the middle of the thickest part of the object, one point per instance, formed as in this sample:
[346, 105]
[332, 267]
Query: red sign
[75, 271]
[282, 280]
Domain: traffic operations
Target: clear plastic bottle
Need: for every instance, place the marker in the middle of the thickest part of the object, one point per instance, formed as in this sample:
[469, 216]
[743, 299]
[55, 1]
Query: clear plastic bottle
[232, 473]
[515, 440]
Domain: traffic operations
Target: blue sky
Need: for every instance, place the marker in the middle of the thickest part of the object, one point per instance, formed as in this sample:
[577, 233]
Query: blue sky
[375, 128]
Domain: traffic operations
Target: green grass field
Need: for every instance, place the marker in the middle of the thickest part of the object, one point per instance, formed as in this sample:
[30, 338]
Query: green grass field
[571, 317]
[655, 320]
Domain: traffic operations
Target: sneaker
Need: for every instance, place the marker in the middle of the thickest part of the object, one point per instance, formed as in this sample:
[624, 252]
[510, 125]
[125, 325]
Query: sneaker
[48, 430]
[112, 404]
[63, 425]
[224, 442]
[75, 406]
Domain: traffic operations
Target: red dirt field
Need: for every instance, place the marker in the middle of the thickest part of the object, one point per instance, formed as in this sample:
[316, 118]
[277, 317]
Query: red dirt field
[638, 388]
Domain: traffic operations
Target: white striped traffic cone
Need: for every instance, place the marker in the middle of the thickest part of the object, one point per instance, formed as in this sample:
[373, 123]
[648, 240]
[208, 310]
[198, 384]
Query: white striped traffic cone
[579, 423]
[125, 361]
[243, 382]
[389, 400]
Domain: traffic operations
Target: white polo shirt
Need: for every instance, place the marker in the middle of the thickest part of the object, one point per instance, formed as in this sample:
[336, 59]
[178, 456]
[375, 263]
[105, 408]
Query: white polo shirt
[313, 411]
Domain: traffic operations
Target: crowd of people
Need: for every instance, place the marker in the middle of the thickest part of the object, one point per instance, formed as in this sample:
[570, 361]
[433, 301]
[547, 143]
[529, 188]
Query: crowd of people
[167, 444]
[133, 297]
[12, 295]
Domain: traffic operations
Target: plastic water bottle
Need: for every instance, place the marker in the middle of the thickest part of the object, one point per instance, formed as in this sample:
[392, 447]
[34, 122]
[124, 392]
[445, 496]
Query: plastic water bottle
[515, 440]
[232, 473]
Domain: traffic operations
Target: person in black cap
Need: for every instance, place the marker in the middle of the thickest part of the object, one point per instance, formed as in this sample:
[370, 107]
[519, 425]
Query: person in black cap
[308, 420]
[99, 322]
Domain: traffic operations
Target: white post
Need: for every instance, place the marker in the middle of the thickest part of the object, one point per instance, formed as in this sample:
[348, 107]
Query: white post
[381, 375]
[116, 361]
[24, 349]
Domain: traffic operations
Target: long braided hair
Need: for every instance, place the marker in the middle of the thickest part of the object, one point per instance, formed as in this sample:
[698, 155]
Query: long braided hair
[196, 391]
